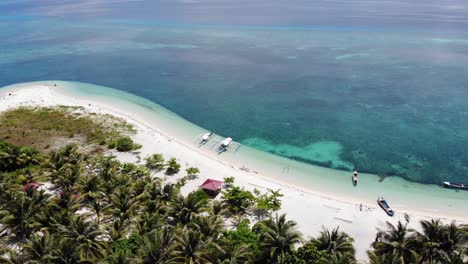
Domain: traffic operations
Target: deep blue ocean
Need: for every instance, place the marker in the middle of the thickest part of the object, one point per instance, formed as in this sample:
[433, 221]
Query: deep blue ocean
[381, 86]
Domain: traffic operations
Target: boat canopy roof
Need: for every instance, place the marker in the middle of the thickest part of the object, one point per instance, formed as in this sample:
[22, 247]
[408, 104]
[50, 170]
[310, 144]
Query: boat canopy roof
[226, 141]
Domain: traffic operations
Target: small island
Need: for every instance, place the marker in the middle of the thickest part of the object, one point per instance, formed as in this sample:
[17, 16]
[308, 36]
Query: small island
[79, 184]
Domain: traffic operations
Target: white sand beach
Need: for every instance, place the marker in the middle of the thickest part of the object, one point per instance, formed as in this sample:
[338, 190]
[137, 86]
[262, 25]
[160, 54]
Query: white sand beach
[311, 208]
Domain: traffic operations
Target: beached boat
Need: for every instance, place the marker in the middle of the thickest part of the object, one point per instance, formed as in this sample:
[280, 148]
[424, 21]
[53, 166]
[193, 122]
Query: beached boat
[205, 137]
[355, 178]
[384, 205]
[457, 186]
[225, 144]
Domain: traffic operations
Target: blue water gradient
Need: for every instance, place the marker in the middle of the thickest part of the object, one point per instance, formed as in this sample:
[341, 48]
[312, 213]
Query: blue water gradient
[369, 91]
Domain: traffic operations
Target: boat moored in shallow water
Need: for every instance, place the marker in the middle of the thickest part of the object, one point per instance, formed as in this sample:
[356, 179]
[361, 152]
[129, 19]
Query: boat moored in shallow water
[384, 205]
[225, 144]
[457, 186]
[205, 137]
[355, 178]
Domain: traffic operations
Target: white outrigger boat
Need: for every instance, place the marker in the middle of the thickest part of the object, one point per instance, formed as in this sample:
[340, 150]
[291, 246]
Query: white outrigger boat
[355, 178]
[225, 144]
[205, 137]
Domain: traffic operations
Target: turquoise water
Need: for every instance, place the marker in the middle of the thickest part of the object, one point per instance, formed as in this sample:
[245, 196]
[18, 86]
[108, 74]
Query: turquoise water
[384, 101]
[430, 200]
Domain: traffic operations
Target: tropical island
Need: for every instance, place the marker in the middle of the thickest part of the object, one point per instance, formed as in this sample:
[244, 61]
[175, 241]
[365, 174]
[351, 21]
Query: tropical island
[81, 183]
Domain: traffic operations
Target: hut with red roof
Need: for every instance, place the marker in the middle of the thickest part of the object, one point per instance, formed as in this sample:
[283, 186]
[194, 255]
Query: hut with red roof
[30, 186]
[212, 187]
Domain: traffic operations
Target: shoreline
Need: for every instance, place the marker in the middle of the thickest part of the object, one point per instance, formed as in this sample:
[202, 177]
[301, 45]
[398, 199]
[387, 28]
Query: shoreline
[324, 207]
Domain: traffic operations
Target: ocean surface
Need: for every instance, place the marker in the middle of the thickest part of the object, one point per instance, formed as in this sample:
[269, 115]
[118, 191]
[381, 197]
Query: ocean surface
[378, 86]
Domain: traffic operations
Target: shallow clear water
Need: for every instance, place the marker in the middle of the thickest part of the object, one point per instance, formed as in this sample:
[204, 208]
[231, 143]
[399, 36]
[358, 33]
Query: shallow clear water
[383, 96]
[428, 200]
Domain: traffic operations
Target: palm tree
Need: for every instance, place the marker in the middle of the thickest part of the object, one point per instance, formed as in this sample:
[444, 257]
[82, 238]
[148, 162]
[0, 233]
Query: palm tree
[191, 248]
[124, 203]
[86, 236]
[14, 157]
[209, 226]
[91, 187]
[67, 177]
[338, 258]
[100, 209]
[148, 222]
[238, 255]
[396, 241]
[218, 209]
[439, 242]
[59, 211]
[38, 250]
[12, 257]
[18, 216]
[156, 246]
[387, 258]
[69, 154]
[66, 253]
[183, 209]
[334, 241]
[279, 238]
[120, 258]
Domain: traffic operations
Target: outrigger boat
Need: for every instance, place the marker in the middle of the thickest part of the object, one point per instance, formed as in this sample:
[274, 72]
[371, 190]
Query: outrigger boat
[355, 178]
[457, 186]
[225, 144]
[384, 205]
[205, 137]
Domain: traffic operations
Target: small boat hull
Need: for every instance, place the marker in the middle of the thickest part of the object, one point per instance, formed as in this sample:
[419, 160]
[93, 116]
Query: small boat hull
[206, 137]
[384, 205]
[355, 178]
[455, 186]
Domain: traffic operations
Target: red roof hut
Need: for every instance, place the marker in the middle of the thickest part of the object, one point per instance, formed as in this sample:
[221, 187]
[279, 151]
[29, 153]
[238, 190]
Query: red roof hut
[212, 187]
[31, 186]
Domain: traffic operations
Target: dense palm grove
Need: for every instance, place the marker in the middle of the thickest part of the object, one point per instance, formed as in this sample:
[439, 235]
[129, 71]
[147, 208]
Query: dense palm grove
[96, 209]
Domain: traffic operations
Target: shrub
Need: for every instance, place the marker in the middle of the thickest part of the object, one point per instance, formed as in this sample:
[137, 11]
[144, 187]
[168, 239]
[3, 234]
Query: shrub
[124, 144]
[155, 162]
[237, 200]
[229, 181]
[192, 172]
[172, 166]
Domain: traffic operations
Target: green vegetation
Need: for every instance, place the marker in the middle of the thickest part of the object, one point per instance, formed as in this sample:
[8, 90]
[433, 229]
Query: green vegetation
[97, 209]
[44, 128]
[267, 202]
[192, 172]
[155, 162]
[237, 199]
[124, 144]
[229, 181]
[172, 166]
[437, 243]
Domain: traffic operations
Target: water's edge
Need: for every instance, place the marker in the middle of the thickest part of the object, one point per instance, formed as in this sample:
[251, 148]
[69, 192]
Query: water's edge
[402, 194]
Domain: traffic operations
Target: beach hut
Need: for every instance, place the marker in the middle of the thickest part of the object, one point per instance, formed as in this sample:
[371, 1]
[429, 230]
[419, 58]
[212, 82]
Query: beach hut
[211, 187]
[31, 186]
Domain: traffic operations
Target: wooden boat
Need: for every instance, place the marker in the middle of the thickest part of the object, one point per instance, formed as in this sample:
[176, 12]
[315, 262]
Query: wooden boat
[355, 178]
[457, 186]
[205, 137]
[225, 144]
[384, 205]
